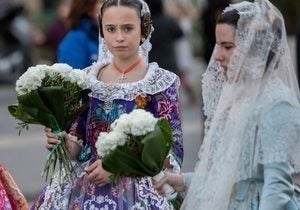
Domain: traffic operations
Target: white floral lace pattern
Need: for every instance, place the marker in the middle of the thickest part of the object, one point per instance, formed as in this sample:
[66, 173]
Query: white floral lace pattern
[156, 80]
[212, 85]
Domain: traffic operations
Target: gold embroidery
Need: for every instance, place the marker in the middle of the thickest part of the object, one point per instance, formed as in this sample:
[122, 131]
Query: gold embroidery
[142, 101]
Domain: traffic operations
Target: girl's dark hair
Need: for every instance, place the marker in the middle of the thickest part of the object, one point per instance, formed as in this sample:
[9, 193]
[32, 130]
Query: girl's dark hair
[135, 4]
[230, 17]
[146, 22]
[80, 9]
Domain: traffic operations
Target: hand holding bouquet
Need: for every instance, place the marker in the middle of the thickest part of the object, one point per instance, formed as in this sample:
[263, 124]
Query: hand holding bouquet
[51, 96]
[136, 146]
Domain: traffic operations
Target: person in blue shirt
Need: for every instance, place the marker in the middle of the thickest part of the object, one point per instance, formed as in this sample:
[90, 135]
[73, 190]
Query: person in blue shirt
[79, 48]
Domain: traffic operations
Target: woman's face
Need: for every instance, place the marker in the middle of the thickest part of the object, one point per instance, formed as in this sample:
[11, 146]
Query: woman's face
[122, 31]
[225, 44]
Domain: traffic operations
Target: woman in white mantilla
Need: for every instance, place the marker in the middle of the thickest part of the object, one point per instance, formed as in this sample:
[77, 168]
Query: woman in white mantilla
[251, 146]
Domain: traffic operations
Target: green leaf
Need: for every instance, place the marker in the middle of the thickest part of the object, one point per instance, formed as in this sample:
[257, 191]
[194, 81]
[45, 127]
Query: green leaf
[53, 97]
[85, 103]
[17, 112]
[167, 132]
[156, 146]
[34, 106]
[123, 161]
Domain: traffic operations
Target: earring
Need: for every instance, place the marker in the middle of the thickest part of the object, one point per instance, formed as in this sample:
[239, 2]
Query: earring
[143, 40]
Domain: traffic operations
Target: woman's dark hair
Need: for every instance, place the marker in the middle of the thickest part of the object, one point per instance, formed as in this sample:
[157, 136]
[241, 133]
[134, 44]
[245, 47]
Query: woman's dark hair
[230, 17]
[80, 9]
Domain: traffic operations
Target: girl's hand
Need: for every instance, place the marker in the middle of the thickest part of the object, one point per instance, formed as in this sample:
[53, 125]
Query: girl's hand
[175, 180]
[53, 140]
[96, 174]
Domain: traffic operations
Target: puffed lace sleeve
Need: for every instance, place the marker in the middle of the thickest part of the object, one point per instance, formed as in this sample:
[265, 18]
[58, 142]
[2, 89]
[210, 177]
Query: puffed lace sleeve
[279, 135]
[167, 106]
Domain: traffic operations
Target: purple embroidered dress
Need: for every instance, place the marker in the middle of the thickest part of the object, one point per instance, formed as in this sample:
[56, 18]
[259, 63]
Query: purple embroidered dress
[157, 92]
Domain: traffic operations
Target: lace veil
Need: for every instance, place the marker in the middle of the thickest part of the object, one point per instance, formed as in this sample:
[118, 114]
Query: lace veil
[240, 132]
[104, 55]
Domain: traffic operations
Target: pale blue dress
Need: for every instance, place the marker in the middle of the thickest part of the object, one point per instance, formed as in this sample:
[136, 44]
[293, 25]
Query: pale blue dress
[272, 188]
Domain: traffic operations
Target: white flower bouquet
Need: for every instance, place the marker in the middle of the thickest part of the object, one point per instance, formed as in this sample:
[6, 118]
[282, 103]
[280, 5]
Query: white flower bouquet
[51, 96]
[136, 146]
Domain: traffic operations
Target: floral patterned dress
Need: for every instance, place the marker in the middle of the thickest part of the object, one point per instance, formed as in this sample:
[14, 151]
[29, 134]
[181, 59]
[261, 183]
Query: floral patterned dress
[157, 93]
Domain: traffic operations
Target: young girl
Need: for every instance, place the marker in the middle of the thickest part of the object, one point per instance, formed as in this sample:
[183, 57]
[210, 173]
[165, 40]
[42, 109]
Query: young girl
[122, 80]
[252, 139]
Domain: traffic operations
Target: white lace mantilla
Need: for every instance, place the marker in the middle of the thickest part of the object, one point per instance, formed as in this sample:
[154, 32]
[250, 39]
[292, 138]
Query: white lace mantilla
[254, 116]
[212, 85]
[156, 80]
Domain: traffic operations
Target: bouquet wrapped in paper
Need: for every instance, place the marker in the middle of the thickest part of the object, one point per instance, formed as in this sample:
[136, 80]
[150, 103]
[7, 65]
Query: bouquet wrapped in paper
[136, 146]
[51, 96]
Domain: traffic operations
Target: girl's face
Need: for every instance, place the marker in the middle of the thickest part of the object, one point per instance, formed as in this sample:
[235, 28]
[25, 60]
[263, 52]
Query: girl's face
[122, 31]
[225, 44]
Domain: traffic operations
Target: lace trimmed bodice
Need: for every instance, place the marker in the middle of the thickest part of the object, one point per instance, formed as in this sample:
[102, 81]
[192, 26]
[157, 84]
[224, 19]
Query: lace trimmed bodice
[156, 80]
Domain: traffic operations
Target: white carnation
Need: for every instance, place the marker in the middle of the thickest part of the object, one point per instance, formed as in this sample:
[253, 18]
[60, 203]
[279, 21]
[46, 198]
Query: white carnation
[142, 122]
[122, 124]
[107, 142]
[33, 77]
[30, 80]
[80, 78]
[137, 123]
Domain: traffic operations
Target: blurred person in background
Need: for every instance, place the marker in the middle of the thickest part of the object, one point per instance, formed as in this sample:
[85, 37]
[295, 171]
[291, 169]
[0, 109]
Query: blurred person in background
[16, 43]
[166, 32]
[184, 12]
[79, 48]
[57, 30]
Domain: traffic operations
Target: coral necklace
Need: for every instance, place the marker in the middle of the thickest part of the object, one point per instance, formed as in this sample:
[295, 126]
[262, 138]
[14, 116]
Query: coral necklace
[130, 68]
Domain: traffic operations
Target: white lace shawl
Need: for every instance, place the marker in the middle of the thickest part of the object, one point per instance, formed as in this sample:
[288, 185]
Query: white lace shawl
[247, 125]
[230, 154]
